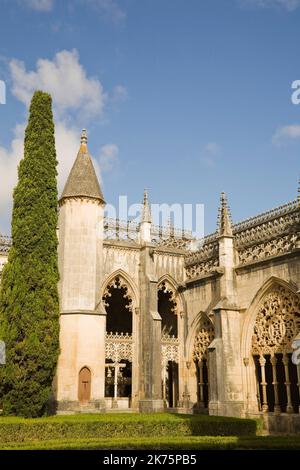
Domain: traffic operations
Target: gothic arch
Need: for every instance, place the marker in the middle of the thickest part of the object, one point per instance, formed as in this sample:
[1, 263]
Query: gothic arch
[122, 341]
[126, 282]
[200, 319]
[201, 335]
[270, 285]
[272, 321]
[172, 286]
[84, 384]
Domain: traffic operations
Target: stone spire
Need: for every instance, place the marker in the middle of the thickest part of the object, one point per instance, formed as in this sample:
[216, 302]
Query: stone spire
[146, 220]
[146, 214]
[82, 180]
[298, 197]
[170, 227]
[224, 217]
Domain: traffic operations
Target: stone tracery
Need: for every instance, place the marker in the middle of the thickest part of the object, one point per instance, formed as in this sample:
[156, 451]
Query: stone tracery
[203, 338]
[118, 283]
[277, 324]
[167, 288]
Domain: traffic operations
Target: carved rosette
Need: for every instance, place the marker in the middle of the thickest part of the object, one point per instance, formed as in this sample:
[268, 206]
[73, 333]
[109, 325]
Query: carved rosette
[277, 322]
[203, 338]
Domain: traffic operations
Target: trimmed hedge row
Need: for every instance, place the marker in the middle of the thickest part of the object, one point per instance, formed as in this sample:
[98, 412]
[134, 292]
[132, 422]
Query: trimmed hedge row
[122, 425]
[175, 443]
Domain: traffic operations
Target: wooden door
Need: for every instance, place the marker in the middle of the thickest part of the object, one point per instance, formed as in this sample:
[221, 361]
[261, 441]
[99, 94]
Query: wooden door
[84, 389]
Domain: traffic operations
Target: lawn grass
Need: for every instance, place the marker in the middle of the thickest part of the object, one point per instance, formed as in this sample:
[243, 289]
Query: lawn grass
[163, 443]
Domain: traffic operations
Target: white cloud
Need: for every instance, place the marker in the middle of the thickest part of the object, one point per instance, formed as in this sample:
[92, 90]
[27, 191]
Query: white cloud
[9, 160]
[285, 133]
[289, 5]
[38, 5]
[67, 144]
[64, 78]
[108, 8]
[108, 157]
[119, 94]
[209, 154]
[73, 93]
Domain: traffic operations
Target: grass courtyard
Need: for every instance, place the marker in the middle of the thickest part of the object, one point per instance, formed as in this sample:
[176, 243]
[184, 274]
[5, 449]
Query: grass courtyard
[137, 431]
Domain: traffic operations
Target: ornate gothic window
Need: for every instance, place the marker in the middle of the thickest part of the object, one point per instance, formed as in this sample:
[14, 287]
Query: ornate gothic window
[204, 337]
[118, 303]
[167, 308]
[277, 323]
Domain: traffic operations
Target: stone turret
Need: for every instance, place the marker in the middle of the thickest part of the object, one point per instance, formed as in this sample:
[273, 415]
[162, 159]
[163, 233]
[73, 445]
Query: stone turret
[82, 324]
[227, 374]
[150, 320]
[226, 249]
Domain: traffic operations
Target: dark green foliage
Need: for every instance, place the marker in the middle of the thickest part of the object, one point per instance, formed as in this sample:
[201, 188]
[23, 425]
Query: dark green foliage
[29, 309]
[162, 443]
[123, 426]
[136, 431]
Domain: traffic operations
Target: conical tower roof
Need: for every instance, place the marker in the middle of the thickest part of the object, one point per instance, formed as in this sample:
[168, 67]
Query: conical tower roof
[82, 180]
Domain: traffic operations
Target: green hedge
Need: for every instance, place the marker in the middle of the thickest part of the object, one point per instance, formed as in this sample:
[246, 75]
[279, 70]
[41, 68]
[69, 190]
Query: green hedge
[164, 443]
[122, 425]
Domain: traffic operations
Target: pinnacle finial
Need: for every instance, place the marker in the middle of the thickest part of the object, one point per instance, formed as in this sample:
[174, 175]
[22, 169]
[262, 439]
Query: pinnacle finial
[298, 197]
[224, 217]
[146, 215]
[83, 138]
[170, 226]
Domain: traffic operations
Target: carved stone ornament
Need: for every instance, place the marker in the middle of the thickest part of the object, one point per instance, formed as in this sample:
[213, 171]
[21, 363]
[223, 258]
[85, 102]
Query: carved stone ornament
[169, 349]
[118, 347]
[167, 288]
[203, 338]
[277, 322]
[118, 283]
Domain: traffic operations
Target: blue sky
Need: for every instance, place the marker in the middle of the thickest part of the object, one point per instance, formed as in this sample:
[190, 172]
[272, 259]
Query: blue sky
[185, 97]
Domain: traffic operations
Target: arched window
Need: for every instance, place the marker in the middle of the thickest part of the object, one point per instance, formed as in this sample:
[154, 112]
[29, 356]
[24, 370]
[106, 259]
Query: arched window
[84, 385]
[203, 338]
[167, 308]
[118, 303]
[277, 323]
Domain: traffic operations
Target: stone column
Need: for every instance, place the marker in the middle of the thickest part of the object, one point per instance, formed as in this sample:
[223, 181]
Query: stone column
[262, 363]
[277, 409]
[150, 335]
[289, 406]
[228, 357]
[298, 382]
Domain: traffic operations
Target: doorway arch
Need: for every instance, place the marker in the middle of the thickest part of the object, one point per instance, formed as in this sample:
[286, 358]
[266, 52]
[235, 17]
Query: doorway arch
[84, 385]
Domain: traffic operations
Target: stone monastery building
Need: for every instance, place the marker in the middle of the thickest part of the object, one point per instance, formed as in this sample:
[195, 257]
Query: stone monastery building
[148, 324]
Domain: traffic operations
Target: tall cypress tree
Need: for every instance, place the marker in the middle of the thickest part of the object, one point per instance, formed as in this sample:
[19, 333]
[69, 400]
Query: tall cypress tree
[29, 306]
